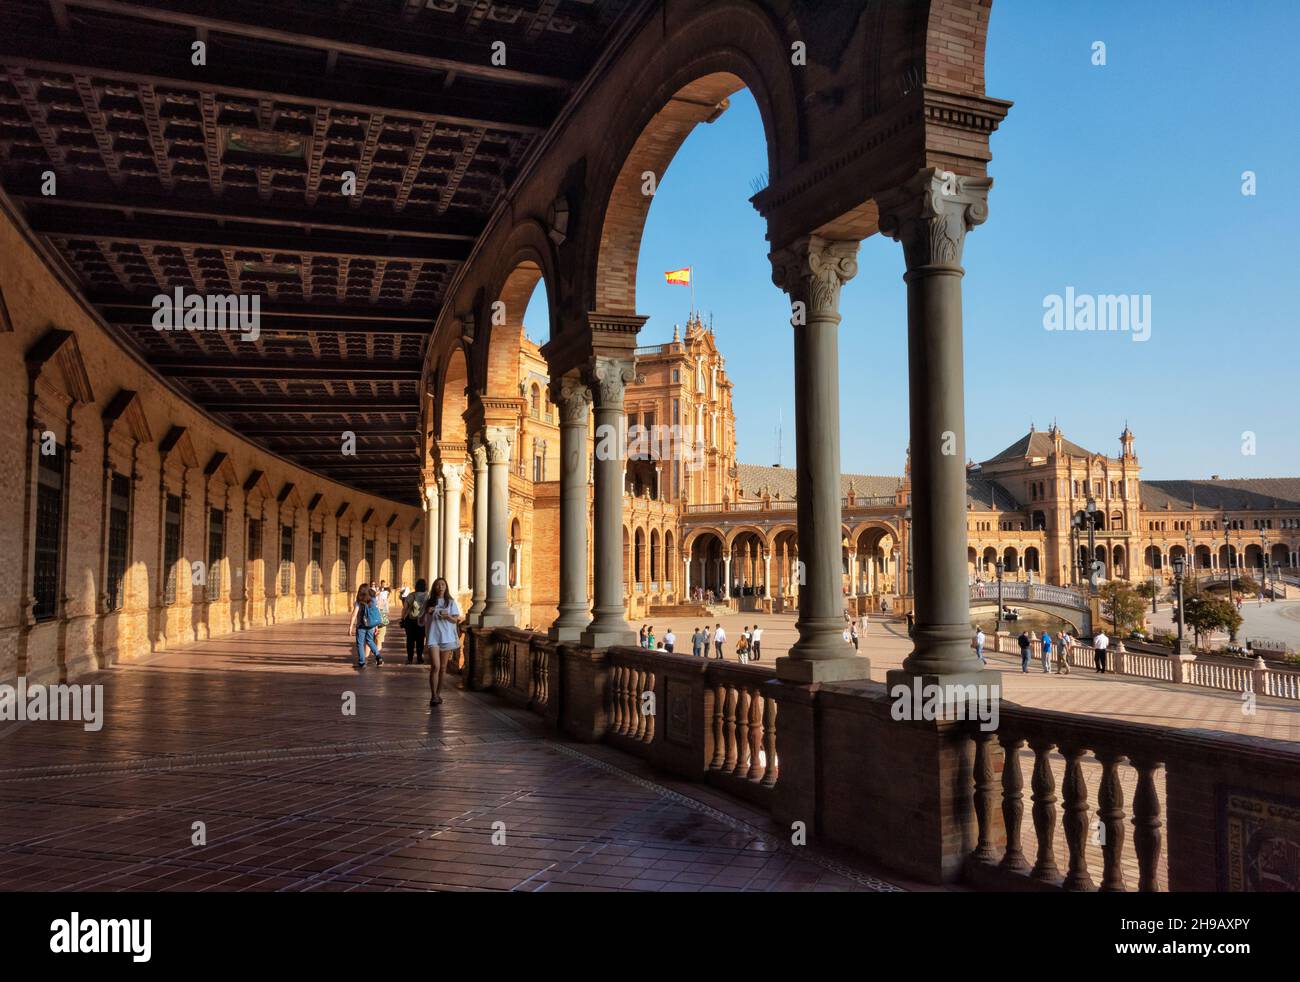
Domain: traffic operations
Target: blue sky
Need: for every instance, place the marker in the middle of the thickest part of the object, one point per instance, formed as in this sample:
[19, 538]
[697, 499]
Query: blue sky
[1120, 179]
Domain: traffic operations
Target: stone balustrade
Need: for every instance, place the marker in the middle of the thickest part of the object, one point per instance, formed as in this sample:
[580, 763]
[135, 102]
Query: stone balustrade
[1257, 677]
[1111, 805]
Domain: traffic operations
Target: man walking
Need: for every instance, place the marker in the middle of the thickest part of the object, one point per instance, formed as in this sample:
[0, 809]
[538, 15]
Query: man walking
[719, 639]
[1063, 645]
[1099, 645]
[698, 640]
[670, 639]
[978, 645]
[755, 640]
[1046, 640]
[1024, 643]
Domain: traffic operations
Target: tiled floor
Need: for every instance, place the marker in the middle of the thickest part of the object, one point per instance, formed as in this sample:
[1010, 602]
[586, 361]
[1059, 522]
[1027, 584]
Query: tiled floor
[247, 735]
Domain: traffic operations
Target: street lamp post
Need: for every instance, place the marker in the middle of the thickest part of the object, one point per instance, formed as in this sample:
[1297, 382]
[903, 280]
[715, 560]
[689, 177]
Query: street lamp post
[1263, 562]
[1178, 586]
[1154, 588]
[1092, 538]
[1191, 554]
[898, 580]
[999, 566]
[907, 518]
[1227, 555]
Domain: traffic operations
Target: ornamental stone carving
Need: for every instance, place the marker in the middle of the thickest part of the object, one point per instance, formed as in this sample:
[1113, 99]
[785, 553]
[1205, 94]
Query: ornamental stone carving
[574, 399]
[812, 270]
[498, 444]
[452, 475]
[931, 214]
[609, 379]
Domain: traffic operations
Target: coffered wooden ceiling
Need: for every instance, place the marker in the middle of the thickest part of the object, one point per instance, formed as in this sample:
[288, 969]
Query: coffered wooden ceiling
[228, 177]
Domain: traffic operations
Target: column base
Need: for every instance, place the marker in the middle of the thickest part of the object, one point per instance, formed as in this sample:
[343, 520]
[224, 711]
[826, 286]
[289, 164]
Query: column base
[501, 616]
[807, 671]
[602, 638]
[565, 632]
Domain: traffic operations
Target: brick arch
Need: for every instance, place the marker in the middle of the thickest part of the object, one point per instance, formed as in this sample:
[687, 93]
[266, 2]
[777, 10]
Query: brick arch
[694, 535]
[699, 63]
[872, 524]
[736, 533]
[450, 399]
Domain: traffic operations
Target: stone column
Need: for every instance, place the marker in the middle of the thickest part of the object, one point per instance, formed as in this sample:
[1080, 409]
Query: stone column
[463, 585]
[452, 484]
[811, 271]
[442, 527]
[726, 576]
[930, 216]
[496, 609]
[767, 575]
[685, 595]
[430, 533]
[479, 599]
[573, 399]
[608, 379]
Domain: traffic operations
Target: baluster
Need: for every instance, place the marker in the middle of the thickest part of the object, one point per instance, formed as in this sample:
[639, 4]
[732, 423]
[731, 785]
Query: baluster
[649, 730]
[755, 735]
[1013, 805]
[1110, 812]
[770, 771]
[638, 690]
[984, 789]
[615, 699]
[1075, 820]
[742, 732]
[719, 703]
[629, 703]
[1146, 824]
[1044, 810]
[729, 732]
[624, 719]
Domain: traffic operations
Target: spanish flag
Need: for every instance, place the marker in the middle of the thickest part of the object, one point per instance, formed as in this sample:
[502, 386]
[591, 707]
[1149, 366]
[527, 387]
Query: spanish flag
[681, 277]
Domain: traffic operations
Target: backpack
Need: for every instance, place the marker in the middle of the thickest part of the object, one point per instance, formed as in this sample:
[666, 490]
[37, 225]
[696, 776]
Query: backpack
[363, 618]
[417, 607]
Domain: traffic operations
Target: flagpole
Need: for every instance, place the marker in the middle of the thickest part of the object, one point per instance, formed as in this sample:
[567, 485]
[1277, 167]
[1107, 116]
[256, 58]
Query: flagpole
[692, 289]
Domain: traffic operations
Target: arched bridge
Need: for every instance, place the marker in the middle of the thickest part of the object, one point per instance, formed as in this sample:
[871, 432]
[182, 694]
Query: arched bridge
[1068, 604]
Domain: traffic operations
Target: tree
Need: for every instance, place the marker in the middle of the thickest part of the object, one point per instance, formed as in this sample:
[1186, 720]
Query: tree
[1147, 590]
[1205, 615]
[1122, 604]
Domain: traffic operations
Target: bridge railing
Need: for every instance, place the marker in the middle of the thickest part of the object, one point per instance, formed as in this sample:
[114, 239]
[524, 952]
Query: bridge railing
[1061, 596]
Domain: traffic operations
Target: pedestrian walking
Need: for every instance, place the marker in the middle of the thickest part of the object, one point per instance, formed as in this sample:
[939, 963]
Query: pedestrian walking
[381, 601]
[365, 618]
[640, 638]
[412, 610]
[978, 645]
[650, 638]
[719, 639]
[440, 619]
[1099, 645]
[1024, 643]
[698, 640]
[1064, 645]
[755, 642]
[911, 623]
[853, 636]
[1046, 641]
[742, 648]
[670, 639]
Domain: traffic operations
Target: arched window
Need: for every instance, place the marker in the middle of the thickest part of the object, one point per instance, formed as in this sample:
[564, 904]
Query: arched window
[535, 402]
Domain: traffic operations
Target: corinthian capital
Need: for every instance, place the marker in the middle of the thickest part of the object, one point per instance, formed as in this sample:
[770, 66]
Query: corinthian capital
[479, 452]
[812, 270]
[931, 214]
[498, 443]
[608, 379]
[452, 475]
[573, 397]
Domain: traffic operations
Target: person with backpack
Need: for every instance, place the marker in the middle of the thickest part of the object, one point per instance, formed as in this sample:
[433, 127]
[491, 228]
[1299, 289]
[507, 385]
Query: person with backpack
[440, 620]
[1024, 643]
[365, 618]
[412, 611]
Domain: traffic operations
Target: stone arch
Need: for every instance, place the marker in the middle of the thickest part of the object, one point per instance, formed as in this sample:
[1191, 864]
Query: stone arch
[451, 396]
[736, 533]
[694, 535]
[696, 67]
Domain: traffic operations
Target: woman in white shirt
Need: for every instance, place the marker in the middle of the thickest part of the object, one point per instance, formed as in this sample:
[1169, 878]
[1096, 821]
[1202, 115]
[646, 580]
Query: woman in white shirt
[440, 620]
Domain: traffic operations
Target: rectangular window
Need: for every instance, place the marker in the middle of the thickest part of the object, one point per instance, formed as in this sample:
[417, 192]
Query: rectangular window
[49, 532]
[677, 375]
[171, 546]
[119, 520]
[369, 574]
[286, 558]
[345, 547]
[216, 550]
[315, 562]
[254, 540]
[395, 572]
[415, 559]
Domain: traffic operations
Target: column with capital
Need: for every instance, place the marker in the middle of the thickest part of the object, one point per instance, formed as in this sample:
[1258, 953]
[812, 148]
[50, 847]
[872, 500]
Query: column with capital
[431, 533]
[929, 216]
[608, 379]
[573, 398]
[479, 598]
[452, 483]
[496, 609]
[812, 270]
[767, 575]
[726, 576]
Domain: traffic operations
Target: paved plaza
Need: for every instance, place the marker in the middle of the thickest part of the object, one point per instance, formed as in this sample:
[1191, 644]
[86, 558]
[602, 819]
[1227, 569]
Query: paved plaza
[246, 734]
